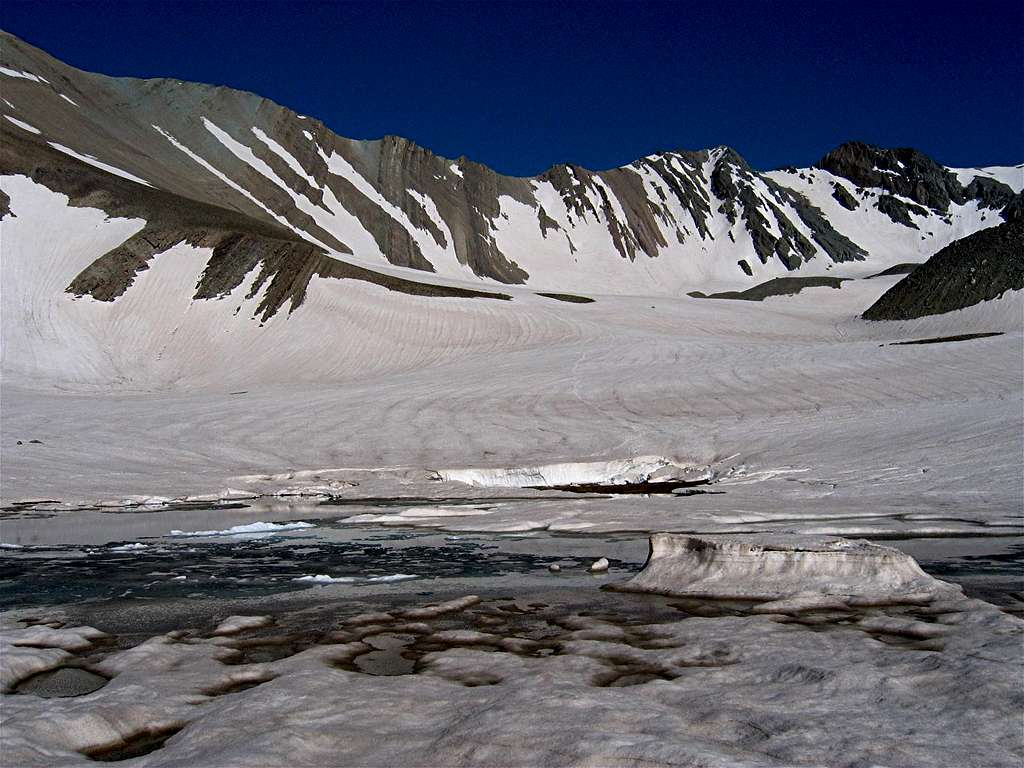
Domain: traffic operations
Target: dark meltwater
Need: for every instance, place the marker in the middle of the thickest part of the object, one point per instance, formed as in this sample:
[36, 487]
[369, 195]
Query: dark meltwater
[227, 552]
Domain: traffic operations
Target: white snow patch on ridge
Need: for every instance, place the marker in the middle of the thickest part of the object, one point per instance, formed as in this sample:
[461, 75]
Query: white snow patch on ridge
[285, 155]
[23, 125]
[615, 472]
[25, 75]
[220, 175]
[247, 156]
[98, 163]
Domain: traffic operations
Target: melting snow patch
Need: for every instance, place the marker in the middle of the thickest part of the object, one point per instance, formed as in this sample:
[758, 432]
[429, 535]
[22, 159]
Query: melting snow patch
[259, 528]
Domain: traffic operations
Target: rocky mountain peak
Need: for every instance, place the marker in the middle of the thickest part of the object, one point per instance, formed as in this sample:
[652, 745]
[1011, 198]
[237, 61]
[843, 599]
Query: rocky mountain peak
[904, 171]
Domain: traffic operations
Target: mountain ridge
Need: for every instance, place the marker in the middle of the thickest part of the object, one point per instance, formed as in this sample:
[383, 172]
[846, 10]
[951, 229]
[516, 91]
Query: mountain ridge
[667, 222]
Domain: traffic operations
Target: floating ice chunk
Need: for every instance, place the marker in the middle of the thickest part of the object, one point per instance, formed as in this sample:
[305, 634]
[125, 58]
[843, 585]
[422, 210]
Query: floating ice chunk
[417, 513]
[234, 624]
[599, 566]
[782, 568]
[323, 578]
[133, 547]
[4, 545]
[23, 125]
[244, 530]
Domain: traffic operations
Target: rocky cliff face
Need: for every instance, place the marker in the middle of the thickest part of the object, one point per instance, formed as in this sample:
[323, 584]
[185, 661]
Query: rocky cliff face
[978, 268]
[270, 190]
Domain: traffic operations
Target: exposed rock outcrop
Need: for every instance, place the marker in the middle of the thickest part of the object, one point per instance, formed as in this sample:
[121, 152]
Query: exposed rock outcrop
[977, 268]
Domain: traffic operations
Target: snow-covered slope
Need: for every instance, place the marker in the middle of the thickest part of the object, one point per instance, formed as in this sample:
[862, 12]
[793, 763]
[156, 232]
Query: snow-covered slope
[243, 291]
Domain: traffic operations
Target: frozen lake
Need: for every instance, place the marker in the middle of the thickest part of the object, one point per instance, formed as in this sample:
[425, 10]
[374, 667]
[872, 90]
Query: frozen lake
[238, 551]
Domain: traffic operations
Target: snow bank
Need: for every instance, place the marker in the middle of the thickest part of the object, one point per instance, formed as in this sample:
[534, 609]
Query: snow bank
[639, 469]
[28, 651]
[783, 568]
[716, 691]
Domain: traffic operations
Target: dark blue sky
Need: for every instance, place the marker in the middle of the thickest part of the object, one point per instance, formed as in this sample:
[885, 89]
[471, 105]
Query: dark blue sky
[523, 86]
